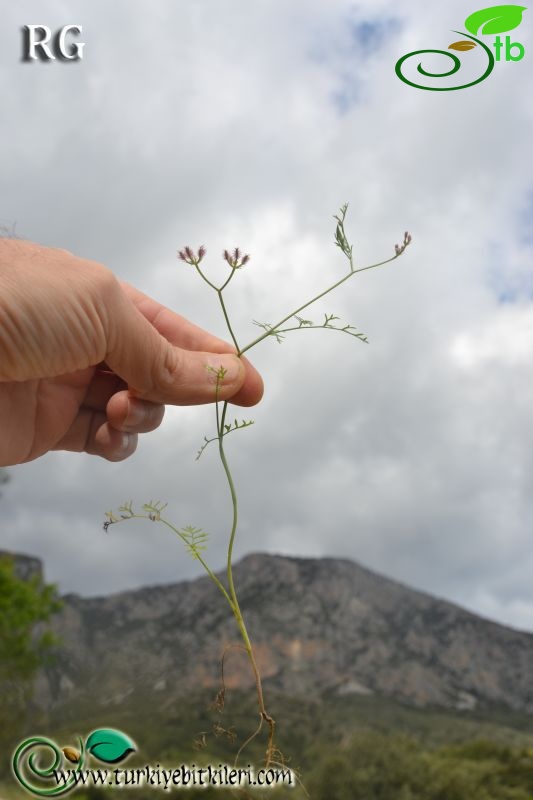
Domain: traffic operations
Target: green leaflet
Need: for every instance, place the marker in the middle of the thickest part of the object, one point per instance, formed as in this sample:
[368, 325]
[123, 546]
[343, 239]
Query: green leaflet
[195, 540]
[109, 745]
[496, 19]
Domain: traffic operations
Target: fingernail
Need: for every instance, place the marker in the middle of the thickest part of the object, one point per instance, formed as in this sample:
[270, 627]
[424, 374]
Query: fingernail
[127, 445]
[136, 414]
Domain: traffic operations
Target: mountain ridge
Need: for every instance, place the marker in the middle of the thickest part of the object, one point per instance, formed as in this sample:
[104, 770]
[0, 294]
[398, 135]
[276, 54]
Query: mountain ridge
[333, 559]
[318, 625]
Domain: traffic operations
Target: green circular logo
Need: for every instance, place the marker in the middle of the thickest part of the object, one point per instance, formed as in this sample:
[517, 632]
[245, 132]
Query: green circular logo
[456, 67]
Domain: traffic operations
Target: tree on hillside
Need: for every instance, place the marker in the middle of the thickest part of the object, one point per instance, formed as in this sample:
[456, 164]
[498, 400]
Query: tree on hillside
[25, 645]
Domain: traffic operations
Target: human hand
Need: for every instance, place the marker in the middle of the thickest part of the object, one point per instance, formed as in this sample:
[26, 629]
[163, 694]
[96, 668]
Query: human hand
[88, 362]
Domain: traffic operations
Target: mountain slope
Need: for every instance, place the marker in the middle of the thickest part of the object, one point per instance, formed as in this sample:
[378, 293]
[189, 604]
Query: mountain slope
[317, 624]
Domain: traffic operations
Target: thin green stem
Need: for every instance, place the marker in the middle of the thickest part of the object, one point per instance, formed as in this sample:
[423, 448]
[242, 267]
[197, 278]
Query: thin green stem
[233, 595]
[205, 278]
[263, 714]
[320, 328]
[219, 431]
[314, 299]
[234, 502]
[221, 299]
[203, 563]
[232, 273]
[223, 306]
[185, 541]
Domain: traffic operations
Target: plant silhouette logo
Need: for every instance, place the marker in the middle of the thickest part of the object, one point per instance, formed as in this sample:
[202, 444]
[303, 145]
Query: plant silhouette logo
[487, 21]
[34, 769]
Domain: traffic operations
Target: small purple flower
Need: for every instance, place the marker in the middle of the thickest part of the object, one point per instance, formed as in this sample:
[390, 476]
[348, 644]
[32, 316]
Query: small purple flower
[235, 259]
[398, 249]
[187, 255]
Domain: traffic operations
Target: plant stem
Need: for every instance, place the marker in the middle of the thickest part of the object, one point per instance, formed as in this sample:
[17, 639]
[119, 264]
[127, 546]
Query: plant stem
[219, 291]
[233, 594]
[310, 302]
[233, 498]
[230, 329]
[198, 556]
[201, 274]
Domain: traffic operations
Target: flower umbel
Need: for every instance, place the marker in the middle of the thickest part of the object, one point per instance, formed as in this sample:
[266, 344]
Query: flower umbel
[398, 249]
[187, 255]
[235, 259]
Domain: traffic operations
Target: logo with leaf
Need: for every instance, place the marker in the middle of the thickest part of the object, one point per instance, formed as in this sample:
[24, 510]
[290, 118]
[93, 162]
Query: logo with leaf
[39, 760]
[485, 22]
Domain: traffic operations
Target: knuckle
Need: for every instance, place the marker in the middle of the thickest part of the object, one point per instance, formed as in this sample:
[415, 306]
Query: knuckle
[102, 277]
[169, 369]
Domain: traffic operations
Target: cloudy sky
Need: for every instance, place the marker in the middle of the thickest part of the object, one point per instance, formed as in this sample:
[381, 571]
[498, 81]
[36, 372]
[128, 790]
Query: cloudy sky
[229, 123]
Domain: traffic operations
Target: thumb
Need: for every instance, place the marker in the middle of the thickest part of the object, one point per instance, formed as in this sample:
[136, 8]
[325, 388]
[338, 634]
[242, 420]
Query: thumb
[158, 371]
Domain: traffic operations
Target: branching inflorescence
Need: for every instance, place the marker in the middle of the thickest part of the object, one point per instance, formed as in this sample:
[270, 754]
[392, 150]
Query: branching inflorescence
[195, 539]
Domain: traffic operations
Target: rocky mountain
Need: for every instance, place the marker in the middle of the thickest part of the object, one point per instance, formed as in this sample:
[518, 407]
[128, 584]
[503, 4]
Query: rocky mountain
[317, 624]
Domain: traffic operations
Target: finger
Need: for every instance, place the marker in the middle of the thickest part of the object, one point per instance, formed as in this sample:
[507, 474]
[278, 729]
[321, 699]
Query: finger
[179, 331]
[252, 389]
[126, 413]
[175, 328]
[103, 386]
[111, 444]
[155, 370]
[91, 433]
[107, 384]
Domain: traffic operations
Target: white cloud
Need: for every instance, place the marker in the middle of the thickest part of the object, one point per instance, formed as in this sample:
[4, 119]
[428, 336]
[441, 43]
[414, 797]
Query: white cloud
[504, 340]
